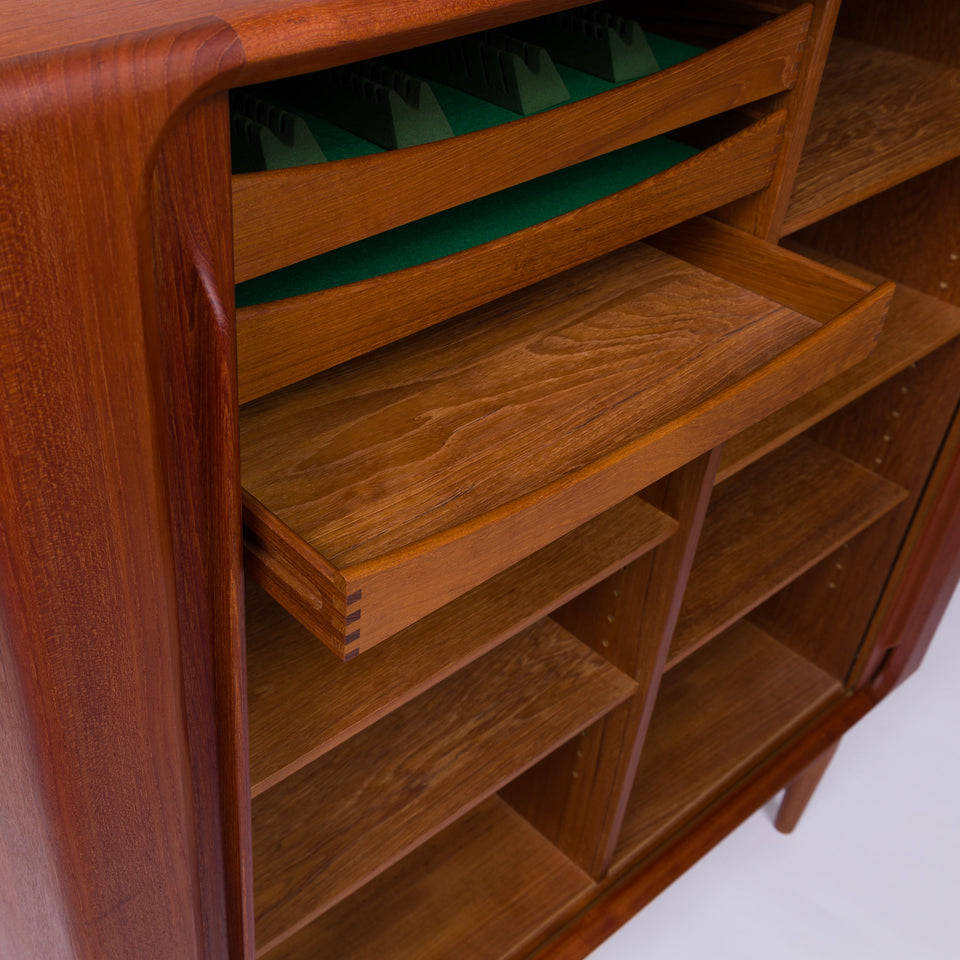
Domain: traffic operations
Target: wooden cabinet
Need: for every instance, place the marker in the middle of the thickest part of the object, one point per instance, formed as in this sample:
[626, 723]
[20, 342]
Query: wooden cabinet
[432, 552]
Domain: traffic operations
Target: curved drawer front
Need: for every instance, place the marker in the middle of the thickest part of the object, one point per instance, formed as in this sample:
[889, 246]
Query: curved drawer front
[284, 216]
[283, 341]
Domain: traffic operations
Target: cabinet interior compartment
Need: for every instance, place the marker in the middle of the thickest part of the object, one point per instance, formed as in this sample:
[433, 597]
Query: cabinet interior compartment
[769, 524]
[881, 117]
[440, 453]
[484, 887]
[717, 713]
[322, 832]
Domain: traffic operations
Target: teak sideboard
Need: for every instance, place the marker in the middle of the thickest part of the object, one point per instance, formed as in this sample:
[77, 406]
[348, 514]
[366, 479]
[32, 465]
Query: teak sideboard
[363, 596]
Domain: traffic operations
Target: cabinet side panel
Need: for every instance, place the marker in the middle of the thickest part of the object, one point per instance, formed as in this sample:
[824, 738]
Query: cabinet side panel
[196, 364]
[34, 923]
[925, 577]
[92, 636]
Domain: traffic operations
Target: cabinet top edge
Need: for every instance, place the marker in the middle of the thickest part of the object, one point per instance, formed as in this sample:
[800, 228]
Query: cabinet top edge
[272, 32]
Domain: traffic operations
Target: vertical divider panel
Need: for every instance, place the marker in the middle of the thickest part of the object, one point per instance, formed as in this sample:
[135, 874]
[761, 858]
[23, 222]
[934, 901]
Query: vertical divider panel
[578, 795]
[763, 213]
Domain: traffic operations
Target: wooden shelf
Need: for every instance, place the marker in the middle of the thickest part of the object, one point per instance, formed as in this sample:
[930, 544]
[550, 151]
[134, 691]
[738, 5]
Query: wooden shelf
[916, 325]
[768, 525]
[303, 701]
[321, 833]
[386, 488]
[881, 117]
[716, 715]
[285, 216]
[482, 888]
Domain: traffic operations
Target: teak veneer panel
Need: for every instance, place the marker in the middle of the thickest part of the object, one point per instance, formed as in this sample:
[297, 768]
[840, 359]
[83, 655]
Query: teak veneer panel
[303, 701]
[321, 833]
[368, 490]
[286, 340]
[769, 524]
[916, 325]
[283, 216]
[478, 890]
[881, 117]
[716, 714]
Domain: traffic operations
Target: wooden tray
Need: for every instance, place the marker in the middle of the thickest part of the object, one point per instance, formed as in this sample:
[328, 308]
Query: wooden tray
[283, 341]
[379, 491]
[283, 216]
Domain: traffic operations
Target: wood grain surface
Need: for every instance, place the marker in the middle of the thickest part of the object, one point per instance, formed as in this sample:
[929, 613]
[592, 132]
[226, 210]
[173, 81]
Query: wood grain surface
[281, 342]
[383, 462]
[896, 431]
[447, 426]
[107, 681]
[278, 36]
[323, 832]
[881, 118]
[304, 701]
[812, 288]
[916, 325]
[578, 795]
[769, 524]
[283, 216]
[479, 890]
[716, 714]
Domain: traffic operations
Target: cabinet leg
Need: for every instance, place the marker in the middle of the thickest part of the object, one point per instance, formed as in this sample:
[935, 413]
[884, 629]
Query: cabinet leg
[800, 791]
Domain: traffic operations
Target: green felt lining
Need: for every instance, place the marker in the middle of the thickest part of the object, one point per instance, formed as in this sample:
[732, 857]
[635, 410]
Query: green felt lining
[471, 224]
[482, 220]
[467, 113]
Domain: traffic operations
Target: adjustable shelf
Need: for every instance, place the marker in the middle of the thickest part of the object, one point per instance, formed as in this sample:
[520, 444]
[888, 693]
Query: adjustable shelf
[483, 888]
[916, 325]
[768, 525]
[881, 117]
[716, 715]
[304, 702]
[368, 489]
[324, 831]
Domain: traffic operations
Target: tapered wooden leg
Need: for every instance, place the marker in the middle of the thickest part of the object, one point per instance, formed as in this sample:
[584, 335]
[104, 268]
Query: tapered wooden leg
[800, 791]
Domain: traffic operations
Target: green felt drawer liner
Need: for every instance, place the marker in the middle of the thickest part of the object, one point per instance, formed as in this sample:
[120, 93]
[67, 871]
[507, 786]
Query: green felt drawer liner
[486, 218]
[467, 113]
[471, 224]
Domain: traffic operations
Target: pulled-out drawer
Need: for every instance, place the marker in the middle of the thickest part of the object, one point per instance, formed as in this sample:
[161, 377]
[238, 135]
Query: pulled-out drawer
[380, 490]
